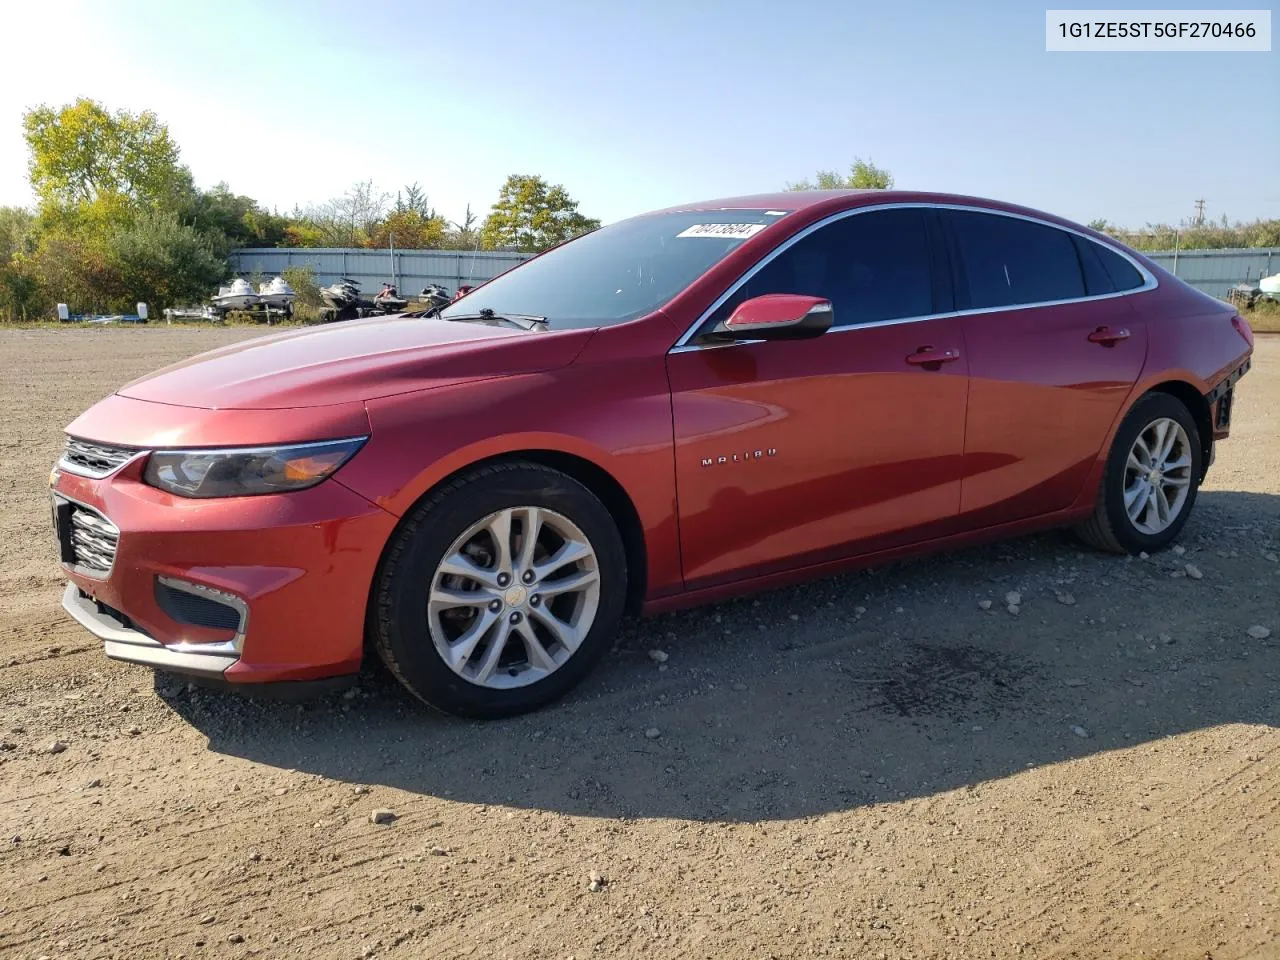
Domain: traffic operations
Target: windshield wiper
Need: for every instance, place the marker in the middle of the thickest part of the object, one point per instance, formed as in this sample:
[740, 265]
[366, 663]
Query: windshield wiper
[524, 321]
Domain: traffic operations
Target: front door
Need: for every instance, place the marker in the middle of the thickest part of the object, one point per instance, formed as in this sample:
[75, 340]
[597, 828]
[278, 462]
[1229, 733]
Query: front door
[793, 453]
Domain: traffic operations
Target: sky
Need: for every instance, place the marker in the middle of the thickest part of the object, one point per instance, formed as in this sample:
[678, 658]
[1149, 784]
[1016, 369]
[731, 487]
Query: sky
[636, 106]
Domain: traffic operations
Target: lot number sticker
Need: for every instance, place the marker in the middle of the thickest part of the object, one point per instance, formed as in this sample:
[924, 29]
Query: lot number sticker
[725, 231]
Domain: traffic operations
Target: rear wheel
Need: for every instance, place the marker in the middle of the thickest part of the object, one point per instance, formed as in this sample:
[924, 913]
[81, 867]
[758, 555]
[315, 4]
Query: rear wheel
[1151, 479]
[500, 591]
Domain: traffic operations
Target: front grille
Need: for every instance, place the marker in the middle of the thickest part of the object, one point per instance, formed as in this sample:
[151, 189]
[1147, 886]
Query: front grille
[93, 460]
[91, 539]
[196, 610]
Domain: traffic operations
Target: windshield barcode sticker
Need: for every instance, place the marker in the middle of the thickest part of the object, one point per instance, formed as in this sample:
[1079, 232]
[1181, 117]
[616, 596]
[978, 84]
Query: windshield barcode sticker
[725, 231]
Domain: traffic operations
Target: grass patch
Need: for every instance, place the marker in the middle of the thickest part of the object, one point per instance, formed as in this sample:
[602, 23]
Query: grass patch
[1264, 317]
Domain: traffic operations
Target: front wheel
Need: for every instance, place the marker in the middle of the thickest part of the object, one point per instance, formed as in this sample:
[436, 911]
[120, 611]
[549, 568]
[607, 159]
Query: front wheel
[500, 591]
[1151, 479]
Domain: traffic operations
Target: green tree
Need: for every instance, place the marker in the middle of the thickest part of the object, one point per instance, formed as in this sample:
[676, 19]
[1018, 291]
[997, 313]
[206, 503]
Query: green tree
[17, 232]
[163, 262]
[411, 230]
[413, 199]
[82, 152]
[231, 220]
[19, 289]
[863, 175]
[532, 215]
[19, 286]
[74, 268]
[300, 232]
[462, 234]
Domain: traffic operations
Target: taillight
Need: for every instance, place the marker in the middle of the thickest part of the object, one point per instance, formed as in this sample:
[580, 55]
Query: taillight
[1243, 328]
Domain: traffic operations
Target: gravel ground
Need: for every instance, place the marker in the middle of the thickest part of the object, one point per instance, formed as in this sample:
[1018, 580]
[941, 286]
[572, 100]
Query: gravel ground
[876, 765]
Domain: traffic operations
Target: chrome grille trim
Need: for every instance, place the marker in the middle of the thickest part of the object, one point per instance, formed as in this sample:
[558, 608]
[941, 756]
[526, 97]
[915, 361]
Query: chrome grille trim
[94, 460]
[94, 540]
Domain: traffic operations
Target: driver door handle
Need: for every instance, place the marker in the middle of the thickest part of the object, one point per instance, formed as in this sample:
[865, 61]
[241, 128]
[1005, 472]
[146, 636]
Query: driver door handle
[929, 357]
[1106, 336]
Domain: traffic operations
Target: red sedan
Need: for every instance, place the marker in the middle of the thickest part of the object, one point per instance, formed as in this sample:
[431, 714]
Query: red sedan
[686, 405]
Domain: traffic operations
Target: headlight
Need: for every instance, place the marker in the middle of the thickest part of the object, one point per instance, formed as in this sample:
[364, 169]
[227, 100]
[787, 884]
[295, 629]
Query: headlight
[246, 471]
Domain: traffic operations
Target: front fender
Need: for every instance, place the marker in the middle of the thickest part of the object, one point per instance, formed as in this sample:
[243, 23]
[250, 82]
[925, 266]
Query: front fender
[615, 416]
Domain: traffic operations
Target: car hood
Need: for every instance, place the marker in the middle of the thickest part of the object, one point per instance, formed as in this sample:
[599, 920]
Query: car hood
[353, 361]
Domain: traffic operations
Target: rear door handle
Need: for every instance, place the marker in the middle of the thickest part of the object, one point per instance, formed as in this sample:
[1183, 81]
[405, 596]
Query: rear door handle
[1106, 336]
[929, 357]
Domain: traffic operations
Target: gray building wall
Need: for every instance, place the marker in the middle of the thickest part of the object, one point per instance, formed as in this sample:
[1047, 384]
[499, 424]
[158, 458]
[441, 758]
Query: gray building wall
[414, 269]
[1217, 271]
[1213, 271]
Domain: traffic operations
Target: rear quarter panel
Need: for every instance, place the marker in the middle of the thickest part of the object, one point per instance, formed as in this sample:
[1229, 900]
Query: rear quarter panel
[1190, 339]
[1190, 336]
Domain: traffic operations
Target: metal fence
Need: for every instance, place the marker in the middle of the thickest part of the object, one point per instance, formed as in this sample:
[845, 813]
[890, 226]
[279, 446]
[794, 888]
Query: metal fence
[1217, 271]
[411, 271]
[1213, 271]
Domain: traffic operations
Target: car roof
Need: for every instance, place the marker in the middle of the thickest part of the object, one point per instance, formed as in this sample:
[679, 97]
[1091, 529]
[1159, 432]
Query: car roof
[786, 200]
[821, 202]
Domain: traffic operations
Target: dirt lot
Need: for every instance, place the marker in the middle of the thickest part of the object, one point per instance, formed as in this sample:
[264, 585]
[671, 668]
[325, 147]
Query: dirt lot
[870, 766]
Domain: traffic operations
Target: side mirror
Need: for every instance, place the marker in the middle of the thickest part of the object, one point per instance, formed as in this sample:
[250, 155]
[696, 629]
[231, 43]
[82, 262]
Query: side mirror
[776, 316]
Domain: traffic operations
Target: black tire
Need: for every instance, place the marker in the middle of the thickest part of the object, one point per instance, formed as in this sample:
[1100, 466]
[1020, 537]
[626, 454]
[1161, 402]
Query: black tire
[398, 622]
[1110, 528]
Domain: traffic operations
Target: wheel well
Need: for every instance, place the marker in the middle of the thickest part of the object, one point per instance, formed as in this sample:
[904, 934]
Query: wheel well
[601, 483]
[1195, 402]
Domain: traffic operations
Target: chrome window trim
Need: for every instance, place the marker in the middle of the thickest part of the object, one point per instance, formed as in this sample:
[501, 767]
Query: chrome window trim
[683, 345]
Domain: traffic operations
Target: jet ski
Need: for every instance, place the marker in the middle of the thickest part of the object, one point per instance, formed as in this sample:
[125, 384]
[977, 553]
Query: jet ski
[276, 293]
[237, 295]
[341, 295]
[388, 300]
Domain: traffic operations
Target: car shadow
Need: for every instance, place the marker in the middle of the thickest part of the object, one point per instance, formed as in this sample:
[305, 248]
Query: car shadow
[880, 685]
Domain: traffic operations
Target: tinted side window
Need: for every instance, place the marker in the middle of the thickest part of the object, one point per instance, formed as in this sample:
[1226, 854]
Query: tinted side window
[871, 266]
[1096, 279]
[1123, 273]
[1006, 261]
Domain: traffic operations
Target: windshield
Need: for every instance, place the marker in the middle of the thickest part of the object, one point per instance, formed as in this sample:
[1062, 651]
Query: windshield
[618, 272]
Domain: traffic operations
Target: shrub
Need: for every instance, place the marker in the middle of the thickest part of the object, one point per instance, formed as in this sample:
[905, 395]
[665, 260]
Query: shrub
[165, 263]
[303, 280]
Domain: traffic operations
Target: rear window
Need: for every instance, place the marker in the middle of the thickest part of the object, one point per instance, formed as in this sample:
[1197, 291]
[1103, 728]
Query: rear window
[619, 272]
[1096, 279]
[1007, 261]
[1124, 275]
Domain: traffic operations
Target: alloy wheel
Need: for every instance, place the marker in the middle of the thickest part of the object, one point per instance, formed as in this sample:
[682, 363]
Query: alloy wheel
[1157, 476]
[513, 597]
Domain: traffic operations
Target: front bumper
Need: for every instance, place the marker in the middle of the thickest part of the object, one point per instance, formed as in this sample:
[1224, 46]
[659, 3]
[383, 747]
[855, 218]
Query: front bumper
[122, 641]
[287, 577]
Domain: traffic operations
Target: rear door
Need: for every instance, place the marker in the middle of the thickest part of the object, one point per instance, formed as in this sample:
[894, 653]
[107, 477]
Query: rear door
[792, 453]
[1054, 349]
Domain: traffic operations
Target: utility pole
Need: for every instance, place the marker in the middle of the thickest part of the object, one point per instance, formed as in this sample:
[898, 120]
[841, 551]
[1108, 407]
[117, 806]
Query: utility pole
[1199, 213]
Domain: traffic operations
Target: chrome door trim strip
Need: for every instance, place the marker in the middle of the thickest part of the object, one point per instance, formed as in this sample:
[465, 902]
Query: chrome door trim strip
[1149, 280]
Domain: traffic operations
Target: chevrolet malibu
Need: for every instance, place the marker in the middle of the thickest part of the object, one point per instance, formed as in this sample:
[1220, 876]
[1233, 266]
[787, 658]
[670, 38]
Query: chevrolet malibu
[676, 408]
